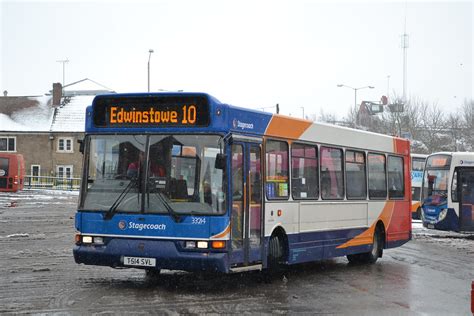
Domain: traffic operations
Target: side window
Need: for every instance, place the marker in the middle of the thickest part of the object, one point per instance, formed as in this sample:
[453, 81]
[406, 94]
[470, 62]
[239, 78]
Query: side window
[332, 183]
[8, 144]
[304, 171]
[276, 163]
[396, 184]
[356, 186]
[454, 187]
[65, 145]
[377, 176]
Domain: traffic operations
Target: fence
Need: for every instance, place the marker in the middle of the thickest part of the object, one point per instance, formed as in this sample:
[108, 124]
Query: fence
[53, 183]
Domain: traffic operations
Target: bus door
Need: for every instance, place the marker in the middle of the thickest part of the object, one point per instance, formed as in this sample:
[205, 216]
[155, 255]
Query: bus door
[246, 214]
[4, 172]
[466, 186]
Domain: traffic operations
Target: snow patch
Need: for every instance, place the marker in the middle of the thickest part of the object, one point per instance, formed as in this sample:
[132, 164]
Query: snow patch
[18, 235]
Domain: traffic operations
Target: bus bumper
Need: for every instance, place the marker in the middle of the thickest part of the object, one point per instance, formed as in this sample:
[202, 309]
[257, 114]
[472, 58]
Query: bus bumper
[433, 219]
[168, 255]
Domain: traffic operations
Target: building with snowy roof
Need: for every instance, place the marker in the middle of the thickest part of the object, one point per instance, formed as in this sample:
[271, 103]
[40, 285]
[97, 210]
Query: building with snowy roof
[45, 129]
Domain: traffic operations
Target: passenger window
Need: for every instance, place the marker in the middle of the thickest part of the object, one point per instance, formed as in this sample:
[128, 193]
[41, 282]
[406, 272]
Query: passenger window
[304, 171]
[332, 183]
[377, 176]
[276, 162]
[356, 185]
[396, 184]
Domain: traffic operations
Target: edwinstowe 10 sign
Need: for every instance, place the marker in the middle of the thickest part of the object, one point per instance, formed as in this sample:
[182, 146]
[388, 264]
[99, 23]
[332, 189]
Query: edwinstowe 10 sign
[184, 116]
[151, 111]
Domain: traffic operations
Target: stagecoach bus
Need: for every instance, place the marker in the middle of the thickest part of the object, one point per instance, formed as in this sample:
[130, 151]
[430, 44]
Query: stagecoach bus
[417, 167]
[448, 191]
[239, 189]
[12, 172]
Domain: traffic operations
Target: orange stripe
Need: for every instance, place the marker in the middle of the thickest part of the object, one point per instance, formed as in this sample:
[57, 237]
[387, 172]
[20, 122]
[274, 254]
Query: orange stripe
[224, 233]
[282, 126]
[366, 237]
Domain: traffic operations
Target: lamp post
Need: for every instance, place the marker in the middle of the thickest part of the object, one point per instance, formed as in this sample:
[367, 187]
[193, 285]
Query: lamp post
[355, 97]
[149, 57]
[355, 91]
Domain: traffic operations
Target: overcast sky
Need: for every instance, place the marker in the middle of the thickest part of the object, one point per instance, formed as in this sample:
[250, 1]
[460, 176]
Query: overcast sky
[248, 53]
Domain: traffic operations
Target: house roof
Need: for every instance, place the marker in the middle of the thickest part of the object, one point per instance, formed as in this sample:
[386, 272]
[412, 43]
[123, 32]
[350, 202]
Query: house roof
[71, 116]
[25, 114]
[36, 114]
[85, 87]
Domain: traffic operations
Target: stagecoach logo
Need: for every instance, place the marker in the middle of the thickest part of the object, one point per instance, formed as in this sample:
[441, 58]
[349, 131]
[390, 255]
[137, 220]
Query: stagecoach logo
[2, 172]
[238, 124]
[122, 225]
[464, 162]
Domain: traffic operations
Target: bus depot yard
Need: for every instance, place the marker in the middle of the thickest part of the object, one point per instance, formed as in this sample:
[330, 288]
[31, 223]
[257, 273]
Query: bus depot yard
[431, 274]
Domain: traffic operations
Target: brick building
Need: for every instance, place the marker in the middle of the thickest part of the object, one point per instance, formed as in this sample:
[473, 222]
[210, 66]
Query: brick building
[45, 129]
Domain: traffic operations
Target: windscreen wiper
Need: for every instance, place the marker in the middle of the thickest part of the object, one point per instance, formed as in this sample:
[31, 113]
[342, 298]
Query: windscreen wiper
[176, 217]
[111, 212]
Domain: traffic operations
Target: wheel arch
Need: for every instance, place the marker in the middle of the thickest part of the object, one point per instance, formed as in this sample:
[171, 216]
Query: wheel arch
[282, 235]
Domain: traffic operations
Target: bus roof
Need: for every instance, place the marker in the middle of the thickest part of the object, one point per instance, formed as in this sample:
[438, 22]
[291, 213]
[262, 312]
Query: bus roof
[224, 118]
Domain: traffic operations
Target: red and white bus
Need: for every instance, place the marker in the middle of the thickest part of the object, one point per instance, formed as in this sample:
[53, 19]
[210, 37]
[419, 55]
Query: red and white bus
[12, 172]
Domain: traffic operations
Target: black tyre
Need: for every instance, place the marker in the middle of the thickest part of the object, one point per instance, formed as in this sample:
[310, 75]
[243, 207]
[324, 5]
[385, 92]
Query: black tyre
[275, 253]
[152, 274]
[418, 213]
[371, 256]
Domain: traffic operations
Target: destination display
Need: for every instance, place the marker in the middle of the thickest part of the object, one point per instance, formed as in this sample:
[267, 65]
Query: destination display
[439, 161]
[151, 111]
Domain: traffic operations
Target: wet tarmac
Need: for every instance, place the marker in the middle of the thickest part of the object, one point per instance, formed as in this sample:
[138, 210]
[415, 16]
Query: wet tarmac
[430, 275]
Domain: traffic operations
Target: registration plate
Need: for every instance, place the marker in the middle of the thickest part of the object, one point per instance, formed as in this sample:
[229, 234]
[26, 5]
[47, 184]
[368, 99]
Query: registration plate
[139, 261]
[430, 226]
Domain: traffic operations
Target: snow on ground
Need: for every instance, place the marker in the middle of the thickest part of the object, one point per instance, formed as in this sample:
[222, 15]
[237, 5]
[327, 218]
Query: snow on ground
[461, 240]
[36, 197]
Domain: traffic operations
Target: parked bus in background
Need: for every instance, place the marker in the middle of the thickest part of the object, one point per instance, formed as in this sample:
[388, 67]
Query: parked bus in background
[240, 190]
[448, 191]
[12, 172]
[417, 167]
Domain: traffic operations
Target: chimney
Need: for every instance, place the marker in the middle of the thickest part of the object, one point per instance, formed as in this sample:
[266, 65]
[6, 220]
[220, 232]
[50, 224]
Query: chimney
[57, 93]
[5, 93]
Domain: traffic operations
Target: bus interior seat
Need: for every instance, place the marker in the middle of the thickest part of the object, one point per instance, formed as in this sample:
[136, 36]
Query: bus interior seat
[178, 189]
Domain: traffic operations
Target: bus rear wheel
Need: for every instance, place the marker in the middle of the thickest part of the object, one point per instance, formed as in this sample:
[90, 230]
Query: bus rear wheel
[371, 256]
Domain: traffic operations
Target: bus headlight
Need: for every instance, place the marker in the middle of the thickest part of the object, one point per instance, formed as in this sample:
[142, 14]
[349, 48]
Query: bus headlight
[442, 214]
[190, 244]
[87, 239]
[202, 244]
[82, 239]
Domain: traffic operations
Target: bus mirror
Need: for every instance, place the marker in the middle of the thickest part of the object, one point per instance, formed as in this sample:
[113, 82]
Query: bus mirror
[220, 161]
[81, 145]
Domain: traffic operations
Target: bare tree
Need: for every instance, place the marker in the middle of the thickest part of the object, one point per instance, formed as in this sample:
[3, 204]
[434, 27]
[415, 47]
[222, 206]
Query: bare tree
[467, 117]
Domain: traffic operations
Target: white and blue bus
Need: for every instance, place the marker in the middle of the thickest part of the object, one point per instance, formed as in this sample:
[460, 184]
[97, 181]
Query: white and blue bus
[448, 191]
[235, 189]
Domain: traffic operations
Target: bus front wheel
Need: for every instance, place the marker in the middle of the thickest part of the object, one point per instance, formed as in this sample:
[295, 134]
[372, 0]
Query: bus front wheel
[275, 253]
[152, 274]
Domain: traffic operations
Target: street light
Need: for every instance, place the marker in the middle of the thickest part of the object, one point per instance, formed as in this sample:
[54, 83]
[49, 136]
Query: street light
[149, 57]
[355, 91]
